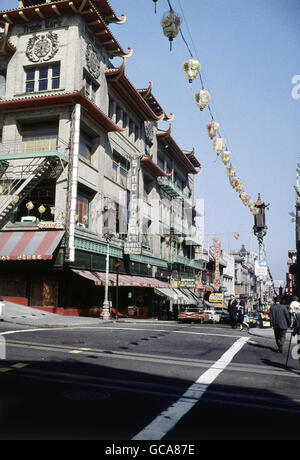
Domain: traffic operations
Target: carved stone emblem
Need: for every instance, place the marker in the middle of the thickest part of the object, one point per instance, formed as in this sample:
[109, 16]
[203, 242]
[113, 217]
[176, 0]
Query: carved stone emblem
[149, 132]
[42, 48]
[93, 61]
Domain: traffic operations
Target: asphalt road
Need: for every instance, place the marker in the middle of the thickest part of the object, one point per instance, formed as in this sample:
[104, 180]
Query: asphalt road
[162, 381]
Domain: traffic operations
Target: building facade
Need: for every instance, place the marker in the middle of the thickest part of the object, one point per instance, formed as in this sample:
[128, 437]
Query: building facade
[84, 167]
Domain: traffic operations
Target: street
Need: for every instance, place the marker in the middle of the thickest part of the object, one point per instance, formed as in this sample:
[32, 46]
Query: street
[129, 381]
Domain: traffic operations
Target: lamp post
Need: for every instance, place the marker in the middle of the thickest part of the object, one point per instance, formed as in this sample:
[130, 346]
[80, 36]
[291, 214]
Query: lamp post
[117, 288]
[105, 314]
[260, 231]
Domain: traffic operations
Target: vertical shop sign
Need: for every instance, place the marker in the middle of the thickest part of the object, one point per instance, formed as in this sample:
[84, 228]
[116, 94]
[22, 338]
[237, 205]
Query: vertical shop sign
[217, 250]
[133, 246]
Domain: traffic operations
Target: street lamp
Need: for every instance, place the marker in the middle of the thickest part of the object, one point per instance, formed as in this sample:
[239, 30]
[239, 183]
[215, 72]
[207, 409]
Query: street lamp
[260, 231]
[117, 287]
[105, 313]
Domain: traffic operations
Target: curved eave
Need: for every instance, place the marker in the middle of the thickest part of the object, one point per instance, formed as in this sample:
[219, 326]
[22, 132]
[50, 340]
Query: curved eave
[89, 12]
[108, 13]
[154, 169]
[165, 139]
[42, 101]
[6, 48]
[153, 103]
[120, 84]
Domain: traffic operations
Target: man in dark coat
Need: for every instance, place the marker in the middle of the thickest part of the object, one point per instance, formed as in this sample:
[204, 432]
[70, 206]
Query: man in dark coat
[232, 310]
[280, 320]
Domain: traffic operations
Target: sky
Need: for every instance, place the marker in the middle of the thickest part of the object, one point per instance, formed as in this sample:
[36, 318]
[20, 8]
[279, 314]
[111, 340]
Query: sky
[249, 53]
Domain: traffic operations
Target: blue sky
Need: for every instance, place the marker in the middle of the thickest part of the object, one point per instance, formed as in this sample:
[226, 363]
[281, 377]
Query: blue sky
[249, 52]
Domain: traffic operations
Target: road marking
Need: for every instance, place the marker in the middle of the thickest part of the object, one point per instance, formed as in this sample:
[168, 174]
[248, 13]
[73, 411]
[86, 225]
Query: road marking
[167, 419]
[19, 365]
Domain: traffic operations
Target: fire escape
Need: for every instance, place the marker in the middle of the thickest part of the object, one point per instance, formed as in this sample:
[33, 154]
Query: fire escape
[21, 171]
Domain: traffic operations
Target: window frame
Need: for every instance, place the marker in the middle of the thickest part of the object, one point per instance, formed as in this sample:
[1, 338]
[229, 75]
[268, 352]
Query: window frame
[33, 78]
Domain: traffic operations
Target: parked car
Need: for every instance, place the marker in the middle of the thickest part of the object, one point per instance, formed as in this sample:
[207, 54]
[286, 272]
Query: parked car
[224, 317]
[2, 305]
[192, 314]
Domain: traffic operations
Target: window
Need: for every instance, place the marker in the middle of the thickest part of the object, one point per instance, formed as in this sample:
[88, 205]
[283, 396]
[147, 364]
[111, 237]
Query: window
[39, 137]
[82, 209]
[90, 89]
[42, 78]
[85, 148]
[2, 84]
[120, 170]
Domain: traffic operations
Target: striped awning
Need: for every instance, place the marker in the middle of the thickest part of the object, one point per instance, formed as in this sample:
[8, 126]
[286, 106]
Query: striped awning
[29, 245]
[124, 280]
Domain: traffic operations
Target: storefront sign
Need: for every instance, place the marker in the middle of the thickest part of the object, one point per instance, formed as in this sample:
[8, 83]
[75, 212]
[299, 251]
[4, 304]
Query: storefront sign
[261, 271]
[49, 225]
[25, 257]
[132, 247]
[187, 282]
[216, 297]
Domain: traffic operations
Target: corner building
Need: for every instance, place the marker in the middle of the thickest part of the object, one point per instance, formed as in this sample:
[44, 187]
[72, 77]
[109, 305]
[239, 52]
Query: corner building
[82, 157]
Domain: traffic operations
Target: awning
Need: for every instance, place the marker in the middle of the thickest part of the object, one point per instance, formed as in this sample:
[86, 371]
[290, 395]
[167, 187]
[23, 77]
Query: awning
[29, 245]
[167, 293]
[182, 298]
[189, 295]
[124, 280]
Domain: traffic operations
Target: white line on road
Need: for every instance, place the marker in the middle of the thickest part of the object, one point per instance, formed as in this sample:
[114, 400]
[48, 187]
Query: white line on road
[167, 419]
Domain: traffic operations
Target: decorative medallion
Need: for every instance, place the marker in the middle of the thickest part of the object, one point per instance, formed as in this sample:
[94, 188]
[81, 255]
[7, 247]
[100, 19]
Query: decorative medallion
[149, 132]
[93, 61]
[42, 47]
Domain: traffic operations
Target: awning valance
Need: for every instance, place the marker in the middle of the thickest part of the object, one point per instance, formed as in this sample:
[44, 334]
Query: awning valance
[124, 280]
[29, 245]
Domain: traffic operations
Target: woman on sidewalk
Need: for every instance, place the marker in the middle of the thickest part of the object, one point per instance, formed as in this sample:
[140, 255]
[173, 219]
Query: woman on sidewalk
[241, 315]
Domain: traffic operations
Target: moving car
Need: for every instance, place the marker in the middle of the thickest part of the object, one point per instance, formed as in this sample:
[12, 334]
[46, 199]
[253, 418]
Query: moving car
[192, 314]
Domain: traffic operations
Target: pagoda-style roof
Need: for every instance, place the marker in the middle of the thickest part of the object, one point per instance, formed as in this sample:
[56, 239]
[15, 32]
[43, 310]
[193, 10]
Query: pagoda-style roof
[152, 167]
[97, 14]
[41, 101]
[144, 108]
[192, 158]
[6, 47]
[152, 101]
[167, 141]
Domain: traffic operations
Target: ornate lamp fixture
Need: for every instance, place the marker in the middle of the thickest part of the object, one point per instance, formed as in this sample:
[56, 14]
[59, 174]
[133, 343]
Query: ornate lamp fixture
[202, 99]
[191, 69]
[219, 145]
[171, 22]
[41, 210]
[29, 206]
[212, 129]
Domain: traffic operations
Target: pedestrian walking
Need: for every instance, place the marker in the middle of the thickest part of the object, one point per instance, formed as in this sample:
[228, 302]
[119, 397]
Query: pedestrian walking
[241, 315]
[295, 306]
[232, 310]
[280, 320]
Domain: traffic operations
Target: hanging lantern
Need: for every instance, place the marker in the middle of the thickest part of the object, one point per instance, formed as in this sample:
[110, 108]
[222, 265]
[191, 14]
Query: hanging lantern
[171, 22]
[202, 99]
[155, 1]
[254, 210]
[41, 210]
[236, 235]
[180, 240]
[191, 69]
[212, 129]
[52, 210]
[219, 145]
[230, 171]
[226, 157]
[245, 198]
[29, 206]
[240, 186]
[85, 219]
[15, 199]
[233, 181]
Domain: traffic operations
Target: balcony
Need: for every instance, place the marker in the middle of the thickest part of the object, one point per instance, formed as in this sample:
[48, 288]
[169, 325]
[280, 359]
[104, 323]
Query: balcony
[172, 189]
[35, 147]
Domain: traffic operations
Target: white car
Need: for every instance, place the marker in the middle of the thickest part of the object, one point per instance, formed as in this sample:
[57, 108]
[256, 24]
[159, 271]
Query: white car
[214, 317]
[2, 305]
